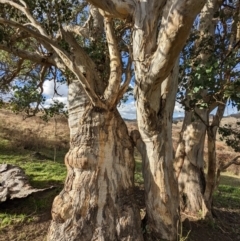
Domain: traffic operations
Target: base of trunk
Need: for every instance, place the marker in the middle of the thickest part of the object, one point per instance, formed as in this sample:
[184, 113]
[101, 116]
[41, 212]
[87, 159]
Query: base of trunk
[191, 189]
[97, 202]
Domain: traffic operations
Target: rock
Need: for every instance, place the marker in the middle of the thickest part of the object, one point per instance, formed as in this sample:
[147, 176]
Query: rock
[14, 183]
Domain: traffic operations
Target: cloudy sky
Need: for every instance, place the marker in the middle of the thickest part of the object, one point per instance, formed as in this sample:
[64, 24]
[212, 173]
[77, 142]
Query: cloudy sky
[127, 110]
[62, 90]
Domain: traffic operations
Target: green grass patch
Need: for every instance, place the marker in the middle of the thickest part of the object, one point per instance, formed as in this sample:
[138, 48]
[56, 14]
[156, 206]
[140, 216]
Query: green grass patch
[138, 177]
[41, 173]
[228, 193]
[8, 219]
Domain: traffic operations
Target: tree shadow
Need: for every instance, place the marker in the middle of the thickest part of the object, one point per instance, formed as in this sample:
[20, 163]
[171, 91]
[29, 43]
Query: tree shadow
[224, 227]
[35, 204]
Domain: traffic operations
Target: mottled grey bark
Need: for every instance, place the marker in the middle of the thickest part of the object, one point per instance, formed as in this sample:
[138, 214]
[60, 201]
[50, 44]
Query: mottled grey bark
[77, 100]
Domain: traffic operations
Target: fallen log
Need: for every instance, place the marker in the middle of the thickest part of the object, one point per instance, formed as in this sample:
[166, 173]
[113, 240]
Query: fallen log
[14, 183]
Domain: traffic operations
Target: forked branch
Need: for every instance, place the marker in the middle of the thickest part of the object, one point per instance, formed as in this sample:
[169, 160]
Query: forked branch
[115, 78]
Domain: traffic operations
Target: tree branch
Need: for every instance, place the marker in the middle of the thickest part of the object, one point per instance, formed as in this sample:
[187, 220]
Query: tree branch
[116, 8]
[222, 167]
[115, 77]
[233, 161]
[65, 57]
[37, 58]
[85, 30]
[38, 36]
[177, 20]
[8, 79]
[24, 9]
[128, 76]
[80, 64]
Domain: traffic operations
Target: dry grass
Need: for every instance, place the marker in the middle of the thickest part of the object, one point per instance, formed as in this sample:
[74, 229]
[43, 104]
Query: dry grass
[33, 133]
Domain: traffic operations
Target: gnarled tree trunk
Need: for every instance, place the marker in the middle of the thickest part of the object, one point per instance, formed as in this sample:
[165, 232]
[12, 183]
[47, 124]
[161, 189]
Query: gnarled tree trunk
[160, 29]
[190, 163]
[97, 201]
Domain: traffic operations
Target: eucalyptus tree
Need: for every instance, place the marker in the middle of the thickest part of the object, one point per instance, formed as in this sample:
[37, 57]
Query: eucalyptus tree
[208, 72]
[160, 29]
[189, 154]
[97, 201]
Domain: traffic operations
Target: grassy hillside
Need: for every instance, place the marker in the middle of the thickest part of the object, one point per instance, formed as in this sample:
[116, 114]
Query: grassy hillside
[32, 145]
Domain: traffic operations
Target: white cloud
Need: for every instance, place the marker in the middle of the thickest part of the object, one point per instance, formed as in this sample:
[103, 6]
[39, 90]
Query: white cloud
[178, 108]
[48, 88]
[49, 101]
[128, 110]
[48, 92]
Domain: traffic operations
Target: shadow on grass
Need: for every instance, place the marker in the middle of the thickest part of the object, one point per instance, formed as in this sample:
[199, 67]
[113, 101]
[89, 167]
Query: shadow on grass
[230, 179]
[227, 194]
[226, 209]
[34, 208]
[225, 227]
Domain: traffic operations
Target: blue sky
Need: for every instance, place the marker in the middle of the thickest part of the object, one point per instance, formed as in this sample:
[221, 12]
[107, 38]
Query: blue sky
[127, 110]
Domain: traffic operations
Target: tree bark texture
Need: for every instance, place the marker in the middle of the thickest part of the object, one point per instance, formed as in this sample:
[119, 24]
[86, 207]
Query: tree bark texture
[77, 101]
[160, 29]
[212, 161]
[155, 91]
[161, 192]
[189, 163]
[97, 202]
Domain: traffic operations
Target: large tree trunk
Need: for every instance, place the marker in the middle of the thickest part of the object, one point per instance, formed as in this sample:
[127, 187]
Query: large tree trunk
[190, 163]
[161, 192]
[97, 202]
[160, 29]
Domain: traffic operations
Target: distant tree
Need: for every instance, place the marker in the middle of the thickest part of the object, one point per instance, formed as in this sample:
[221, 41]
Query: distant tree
[21, 85]
[209, 69]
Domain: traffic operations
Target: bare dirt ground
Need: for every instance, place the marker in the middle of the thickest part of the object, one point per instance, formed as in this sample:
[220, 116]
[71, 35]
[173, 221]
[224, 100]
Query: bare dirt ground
[225, 226]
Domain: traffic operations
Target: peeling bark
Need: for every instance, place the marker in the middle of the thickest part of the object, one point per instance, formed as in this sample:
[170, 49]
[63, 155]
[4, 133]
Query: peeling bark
[97, 202]
[189, 159]
[161, 192]
[155, 53]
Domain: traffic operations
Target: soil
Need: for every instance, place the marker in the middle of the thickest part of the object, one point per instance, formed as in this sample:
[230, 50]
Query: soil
[33, 230]
[224, 227]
